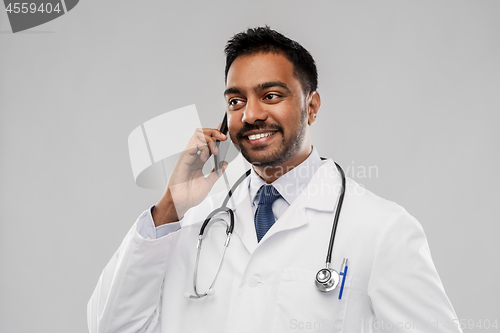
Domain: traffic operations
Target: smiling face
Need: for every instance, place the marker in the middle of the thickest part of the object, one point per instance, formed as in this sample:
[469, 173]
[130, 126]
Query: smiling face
[268, 112]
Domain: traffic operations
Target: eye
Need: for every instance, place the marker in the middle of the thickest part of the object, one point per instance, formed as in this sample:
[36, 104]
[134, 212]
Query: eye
[271, 96]
[233, 102]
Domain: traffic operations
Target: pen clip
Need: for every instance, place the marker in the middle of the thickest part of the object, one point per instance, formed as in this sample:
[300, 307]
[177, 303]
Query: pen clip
[343, 273]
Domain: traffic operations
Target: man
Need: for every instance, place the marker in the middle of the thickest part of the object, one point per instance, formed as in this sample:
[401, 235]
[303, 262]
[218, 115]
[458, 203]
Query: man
[283, 218]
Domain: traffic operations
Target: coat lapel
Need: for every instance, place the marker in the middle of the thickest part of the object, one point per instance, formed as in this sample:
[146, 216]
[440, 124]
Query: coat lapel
[321, 194]
[243, 225]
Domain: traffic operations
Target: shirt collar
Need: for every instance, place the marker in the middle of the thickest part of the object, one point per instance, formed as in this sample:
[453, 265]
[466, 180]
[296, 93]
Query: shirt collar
[292, 183]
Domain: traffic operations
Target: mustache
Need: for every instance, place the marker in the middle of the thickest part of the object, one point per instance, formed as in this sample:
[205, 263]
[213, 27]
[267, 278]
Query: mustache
[255, 127]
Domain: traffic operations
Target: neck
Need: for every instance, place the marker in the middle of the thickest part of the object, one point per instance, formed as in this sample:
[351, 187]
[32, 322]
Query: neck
[270, 173]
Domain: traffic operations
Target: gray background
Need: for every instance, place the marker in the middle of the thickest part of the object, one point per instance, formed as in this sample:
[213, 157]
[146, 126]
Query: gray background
[410, 87]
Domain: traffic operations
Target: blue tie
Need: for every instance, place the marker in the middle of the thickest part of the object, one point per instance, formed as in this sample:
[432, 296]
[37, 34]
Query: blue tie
[264, 217]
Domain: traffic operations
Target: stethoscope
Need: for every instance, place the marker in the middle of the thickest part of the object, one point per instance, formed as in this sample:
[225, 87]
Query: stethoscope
[327, 278]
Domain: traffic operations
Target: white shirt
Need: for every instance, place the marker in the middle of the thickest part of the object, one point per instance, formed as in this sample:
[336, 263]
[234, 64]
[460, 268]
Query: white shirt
[290, 185]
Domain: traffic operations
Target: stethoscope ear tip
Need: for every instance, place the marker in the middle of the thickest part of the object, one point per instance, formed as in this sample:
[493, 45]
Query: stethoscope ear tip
[187, 295]
[210, 292]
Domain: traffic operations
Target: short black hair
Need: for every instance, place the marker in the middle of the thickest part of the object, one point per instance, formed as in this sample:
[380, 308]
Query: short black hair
[265, 40]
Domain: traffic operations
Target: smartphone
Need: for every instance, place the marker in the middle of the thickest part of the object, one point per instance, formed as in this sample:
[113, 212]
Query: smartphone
[223, 146]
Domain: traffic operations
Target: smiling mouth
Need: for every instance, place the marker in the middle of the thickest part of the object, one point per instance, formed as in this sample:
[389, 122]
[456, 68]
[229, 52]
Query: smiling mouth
[254, 137]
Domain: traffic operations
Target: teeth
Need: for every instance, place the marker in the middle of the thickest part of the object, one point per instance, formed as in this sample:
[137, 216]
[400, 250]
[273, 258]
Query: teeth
[258, 136]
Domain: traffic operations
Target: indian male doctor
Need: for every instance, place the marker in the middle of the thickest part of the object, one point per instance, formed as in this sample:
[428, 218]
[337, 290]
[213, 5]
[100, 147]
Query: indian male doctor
[283, 214]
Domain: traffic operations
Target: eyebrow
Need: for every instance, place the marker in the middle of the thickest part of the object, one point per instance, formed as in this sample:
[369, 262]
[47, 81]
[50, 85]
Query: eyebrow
[271, 84]
[258, 88]
[232, 90]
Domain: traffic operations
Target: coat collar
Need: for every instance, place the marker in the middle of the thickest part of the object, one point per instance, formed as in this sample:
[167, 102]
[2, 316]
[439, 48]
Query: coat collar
[291, 184]
[323, 191]
[321, 195]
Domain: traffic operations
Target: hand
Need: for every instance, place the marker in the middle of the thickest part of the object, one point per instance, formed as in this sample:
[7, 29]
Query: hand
[187, 186]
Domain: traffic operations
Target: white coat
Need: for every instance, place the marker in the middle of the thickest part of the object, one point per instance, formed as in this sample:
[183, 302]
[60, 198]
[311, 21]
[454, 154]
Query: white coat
[391, 285]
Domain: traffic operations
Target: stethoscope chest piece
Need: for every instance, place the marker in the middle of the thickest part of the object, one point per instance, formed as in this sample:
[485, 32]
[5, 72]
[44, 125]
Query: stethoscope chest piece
[327, 279]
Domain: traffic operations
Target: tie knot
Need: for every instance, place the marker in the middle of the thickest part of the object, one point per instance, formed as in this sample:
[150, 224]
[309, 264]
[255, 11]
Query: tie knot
[268, 194]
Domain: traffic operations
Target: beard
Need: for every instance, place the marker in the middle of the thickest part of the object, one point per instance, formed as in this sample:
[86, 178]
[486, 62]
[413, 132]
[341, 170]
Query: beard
[286, 149]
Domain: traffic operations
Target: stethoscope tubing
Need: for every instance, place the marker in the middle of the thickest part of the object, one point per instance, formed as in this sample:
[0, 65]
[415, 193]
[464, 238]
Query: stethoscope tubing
[200, 240]
[230, 227]
[336, 218]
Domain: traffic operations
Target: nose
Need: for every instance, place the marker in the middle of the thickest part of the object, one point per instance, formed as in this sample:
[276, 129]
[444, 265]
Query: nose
[254, 111]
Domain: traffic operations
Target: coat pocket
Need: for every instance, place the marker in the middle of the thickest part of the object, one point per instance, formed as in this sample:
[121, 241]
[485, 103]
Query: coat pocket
[300, 306]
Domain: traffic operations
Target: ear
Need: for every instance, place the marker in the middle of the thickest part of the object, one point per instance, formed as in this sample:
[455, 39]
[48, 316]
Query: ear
[313, 104]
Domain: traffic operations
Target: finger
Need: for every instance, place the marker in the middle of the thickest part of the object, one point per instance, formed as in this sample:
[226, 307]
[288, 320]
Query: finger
[208, 135]
[218, 127]
[196, 142]
[203, 137]
[214, 134]
[213, 148]
[192, 149]
[210, 142]
[204, 152]
[213, 176]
